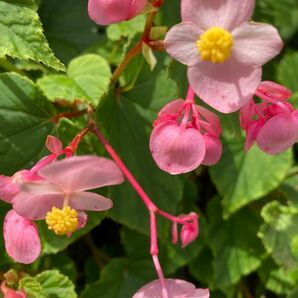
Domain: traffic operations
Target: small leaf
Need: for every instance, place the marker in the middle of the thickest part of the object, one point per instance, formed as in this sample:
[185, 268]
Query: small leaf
[149, 55]
[21, 34]
[87, 79]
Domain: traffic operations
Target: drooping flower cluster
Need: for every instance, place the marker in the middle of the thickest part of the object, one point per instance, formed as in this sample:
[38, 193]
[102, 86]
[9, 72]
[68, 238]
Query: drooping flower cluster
[57, 192]
[184, 136]
[224, 52]
[272, 123]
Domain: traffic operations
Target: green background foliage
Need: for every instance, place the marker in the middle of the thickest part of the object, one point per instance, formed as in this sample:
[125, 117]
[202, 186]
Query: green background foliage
[53, 60]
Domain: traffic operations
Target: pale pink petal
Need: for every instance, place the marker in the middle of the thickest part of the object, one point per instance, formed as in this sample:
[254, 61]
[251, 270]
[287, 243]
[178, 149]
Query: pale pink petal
[226, 87]
[177, 150]
[213, 150]
[8, 189]
[180, 43]
[136, 7]
[202, 293]
[40, 187]
[80, 173]
[36, 206]
[176, 289]
[278, 134]
[89, 201]
[53, 144]
[255, 44]
[223, 13]
[21, 238]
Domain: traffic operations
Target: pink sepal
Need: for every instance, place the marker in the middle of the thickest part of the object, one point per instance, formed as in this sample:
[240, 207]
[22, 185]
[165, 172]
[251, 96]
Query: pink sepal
[54, 145]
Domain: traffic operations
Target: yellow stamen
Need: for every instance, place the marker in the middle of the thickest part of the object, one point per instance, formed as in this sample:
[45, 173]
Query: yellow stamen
[62, 221]
[215, 45]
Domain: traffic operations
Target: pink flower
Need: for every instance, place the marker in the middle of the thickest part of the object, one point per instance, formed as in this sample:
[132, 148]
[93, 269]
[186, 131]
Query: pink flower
[176, 289]
[190, 228]
[105, 12]
[184, 136]
[21, 238]
[61, 193]
[224, 52]
[273, 123]
[11, 293]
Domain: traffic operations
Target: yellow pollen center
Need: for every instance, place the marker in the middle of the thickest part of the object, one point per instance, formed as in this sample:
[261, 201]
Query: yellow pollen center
[62, 221]
[215, 45]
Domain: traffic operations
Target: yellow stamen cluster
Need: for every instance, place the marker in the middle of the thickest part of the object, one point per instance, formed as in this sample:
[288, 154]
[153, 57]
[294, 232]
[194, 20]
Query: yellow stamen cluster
[215, 45]
[62, 221]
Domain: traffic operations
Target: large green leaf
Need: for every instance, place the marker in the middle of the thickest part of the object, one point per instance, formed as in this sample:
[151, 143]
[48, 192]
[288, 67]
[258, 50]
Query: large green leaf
[237, 251]
[25, 122]
[120, 278]
[48, 284]
[250, 175]
[67, 26]
[127, 121]
[279, 233]
[87, 79]
[21, 34]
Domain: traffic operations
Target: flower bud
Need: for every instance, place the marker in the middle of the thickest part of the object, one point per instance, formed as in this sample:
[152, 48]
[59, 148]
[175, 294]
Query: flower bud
[105, 12]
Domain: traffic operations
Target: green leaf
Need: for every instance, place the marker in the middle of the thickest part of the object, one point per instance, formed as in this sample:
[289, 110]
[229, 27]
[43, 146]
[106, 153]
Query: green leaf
[279, 233]
[25, 122]
[21, 35]
[251, 175]
[287, 71]
[52, 243]
[87, 79]
[68, 27]
[127, 121]
[48, 284]
[121, 278]
[26, 3]
[236, 249]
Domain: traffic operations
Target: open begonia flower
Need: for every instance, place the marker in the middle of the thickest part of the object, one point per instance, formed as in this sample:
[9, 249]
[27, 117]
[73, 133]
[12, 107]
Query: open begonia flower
[184, 136]
[105, 12]
[224, 52]
[61, 193]
[21, 238]
[176, 289]
[273, 123]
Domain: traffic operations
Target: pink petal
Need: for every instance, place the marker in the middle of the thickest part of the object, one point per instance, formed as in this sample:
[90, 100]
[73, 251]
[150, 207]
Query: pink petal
[223, 13]
[136, 7]
[177, 150]
[226, 87]
[180, 43]
[278, 134]
[255, 44]
[8, 189]
[80, 173]
[36, 206]
[202, 293]
[21, 238]
[171, 108]
[83, 218]
[89, 201]
[190, 229]
[176, 289]
[40, 187]
[274, 91]
[213, 150]
[212, 118]
[251, 133]
[54, 145]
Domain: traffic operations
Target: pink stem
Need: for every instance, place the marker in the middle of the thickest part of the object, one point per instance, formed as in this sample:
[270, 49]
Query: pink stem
[190, 97]
[170, 217]
[40, 164]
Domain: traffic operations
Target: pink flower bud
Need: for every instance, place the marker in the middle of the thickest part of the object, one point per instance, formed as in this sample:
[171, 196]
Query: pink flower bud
[190, 228]
[54, 145]
[11, 293]
[21, 238]
[105, 12]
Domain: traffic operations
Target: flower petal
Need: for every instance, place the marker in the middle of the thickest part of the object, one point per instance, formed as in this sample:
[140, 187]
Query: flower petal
[202, 293]
[224, 13]
[255, 43]
[89, 201]
[226, 87]
[8, 189]
[40, 187]
[54, 145]
[180, 43]
[36, 206]
[136, 7]
[21, 238]
[177, 288]
[177, 150]
[80, 173]
[213, 150]
[278, 134]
